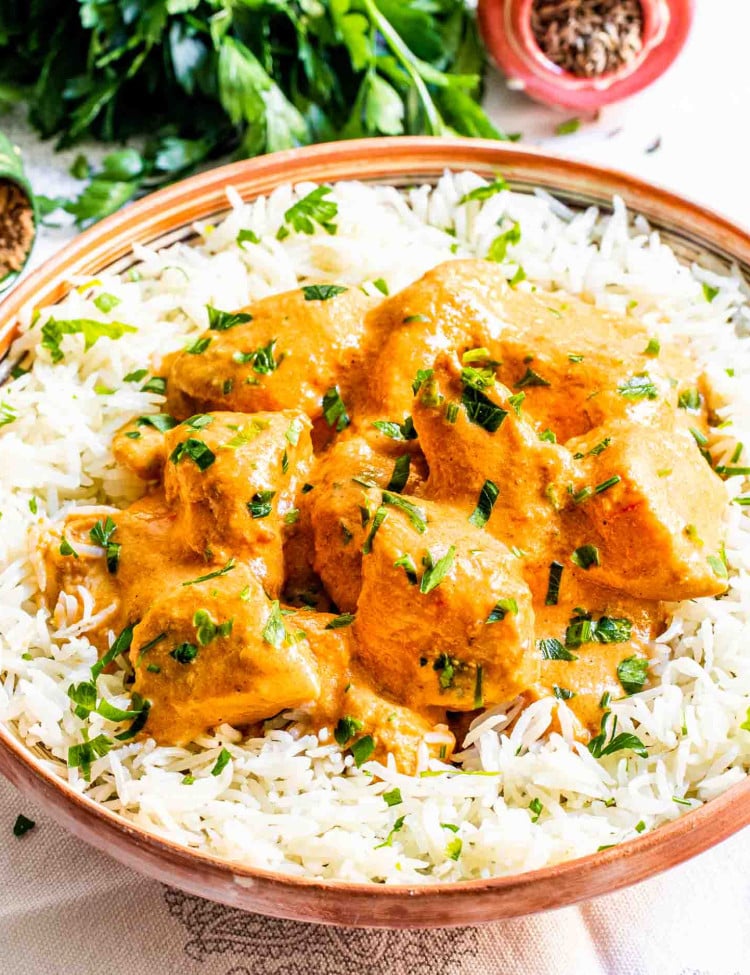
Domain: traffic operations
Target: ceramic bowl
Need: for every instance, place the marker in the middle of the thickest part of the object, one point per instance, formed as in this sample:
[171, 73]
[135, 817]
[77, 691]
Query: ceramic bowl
[696, 234]
[506, 30]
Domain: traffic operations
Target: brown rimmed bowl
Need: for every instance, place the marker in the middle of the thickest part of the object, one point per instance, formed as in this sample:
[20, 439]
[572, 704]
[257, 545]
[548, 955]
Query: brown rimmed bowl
[695, 234]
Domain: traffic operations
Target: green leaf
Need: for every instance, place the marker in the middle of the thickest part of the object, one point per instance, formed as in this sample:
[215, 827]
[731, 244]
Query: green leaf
[383, 107]
[346, 729]
[487, 498]
[322, 292]
[632, 673]
[362, 750]
[54, 330]
[435, 572]
[221, 321]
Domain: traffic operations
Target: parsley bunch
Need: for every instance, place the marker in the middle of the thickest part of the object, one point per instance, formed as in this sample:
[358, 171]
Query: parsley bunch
[197, 79]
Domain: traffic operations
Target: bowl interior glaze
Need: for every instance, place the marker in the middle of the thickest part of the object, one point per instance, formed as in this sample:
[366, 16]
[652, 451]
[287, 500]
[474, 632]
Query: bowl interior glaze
[164, 217]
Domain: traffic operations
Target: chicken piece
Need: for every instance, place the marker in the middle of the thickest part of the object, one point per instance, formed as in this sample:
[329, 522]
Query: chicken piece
[557, 350]
[473, 435]
[347, 491]
[139, 445]
[123, 559]
[395, 730]
[285, 353]
[579, 366]
[352, 709]
[233, 479]
[448, 308]
[219, 651]
[444, 617]
[654, 514]
[75, 572]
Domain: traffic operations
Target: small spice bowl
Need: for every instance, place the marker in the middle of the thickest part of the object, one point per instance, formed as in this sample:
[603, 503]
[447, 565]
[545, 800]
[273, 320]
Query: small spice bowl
[17, 214]
[507, 30]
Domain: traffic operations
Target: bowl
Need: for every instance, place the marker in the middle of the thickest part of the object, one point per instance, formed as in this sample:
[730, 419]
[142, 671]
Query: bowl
[506, 30]
[694, 232]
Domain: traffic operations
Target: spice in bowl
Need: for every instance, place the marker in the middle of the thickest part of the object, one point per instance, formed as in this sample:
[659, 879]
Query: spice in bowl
[17, 214]
[588, 37]
[16, 228]
[583, 54]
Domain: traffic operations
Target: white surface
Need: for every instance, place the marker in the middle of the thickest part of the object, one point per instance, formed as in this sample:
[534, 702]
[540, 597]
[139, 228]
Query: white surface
[65, 909]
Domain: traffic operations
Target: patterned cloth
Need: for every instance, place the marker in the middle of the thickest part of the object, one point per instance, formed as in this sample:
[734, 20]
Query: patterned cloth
[67, 910]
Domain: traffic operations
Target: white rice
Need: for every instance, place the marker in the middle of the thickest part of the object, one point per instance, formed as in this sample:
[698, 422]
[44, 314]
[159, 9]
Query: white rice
[298, 805]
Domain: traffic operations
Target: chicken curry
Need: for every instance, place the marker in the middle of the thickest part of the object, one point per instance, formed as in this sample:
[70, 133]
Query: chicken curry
[383, 516]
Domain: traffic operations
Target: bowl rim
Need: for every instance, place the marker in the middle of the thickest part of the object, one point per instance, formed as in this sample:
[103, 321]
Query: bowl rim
[282, 894]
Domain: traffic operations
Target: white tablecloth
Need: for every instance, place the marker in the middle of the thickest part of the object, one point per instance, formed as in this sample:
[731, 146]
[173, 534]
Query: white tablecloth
[67, 910]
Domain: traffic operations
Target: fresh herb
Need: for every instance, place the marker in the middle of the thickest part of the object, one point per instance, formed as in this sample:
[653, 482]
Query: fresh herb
[84, 754]
[406, 562]
[67, 549]
[454, 848]
[397, 431]
[54, 330]
[553, 585]
[196, 450]
[199, 346]
[184, 653]
[583, 629]
[393, 797]
[709, 293]
[247, 237]
[536, 808]
[416, 515]
[346, 729]
[518, 277]
[101, 535]
[632, 673]
[487, 498]
[120, 646]
[22, 825]
[260, 505]
[435, 572]
[198, 421]
[381, 285]
[311, 209]
[446, 668]
[501, 609]
[334, 411]
[585, 556]
[206, 630]
[422, 376]
[478, 687]
[568, 126]
[159, 421]
[377, 521]
[262, 359]
[362, 750]
[275, 632]
[136, 376]
[718, 566]
[221, 762]
[640, 826]
[340, 621]
[606, 485]
[562, 693]
[322, 292]
[600, 747]
[106, 302]
[397, 827]
[292, 516]
[212, 575]
[481, 410]
[221, 321]
[499, 246]
[547, 436]
[485, 191]
[530, 378]
[575, 357]
[157, 384]
[639, 386]
[653, 348]
[552, 649]
[400, 474]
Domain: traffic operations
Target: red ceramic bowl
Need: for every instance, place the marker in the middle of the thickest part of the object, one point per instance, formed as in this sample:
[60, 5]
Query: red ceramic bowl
[165, 217]
[506, 29]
